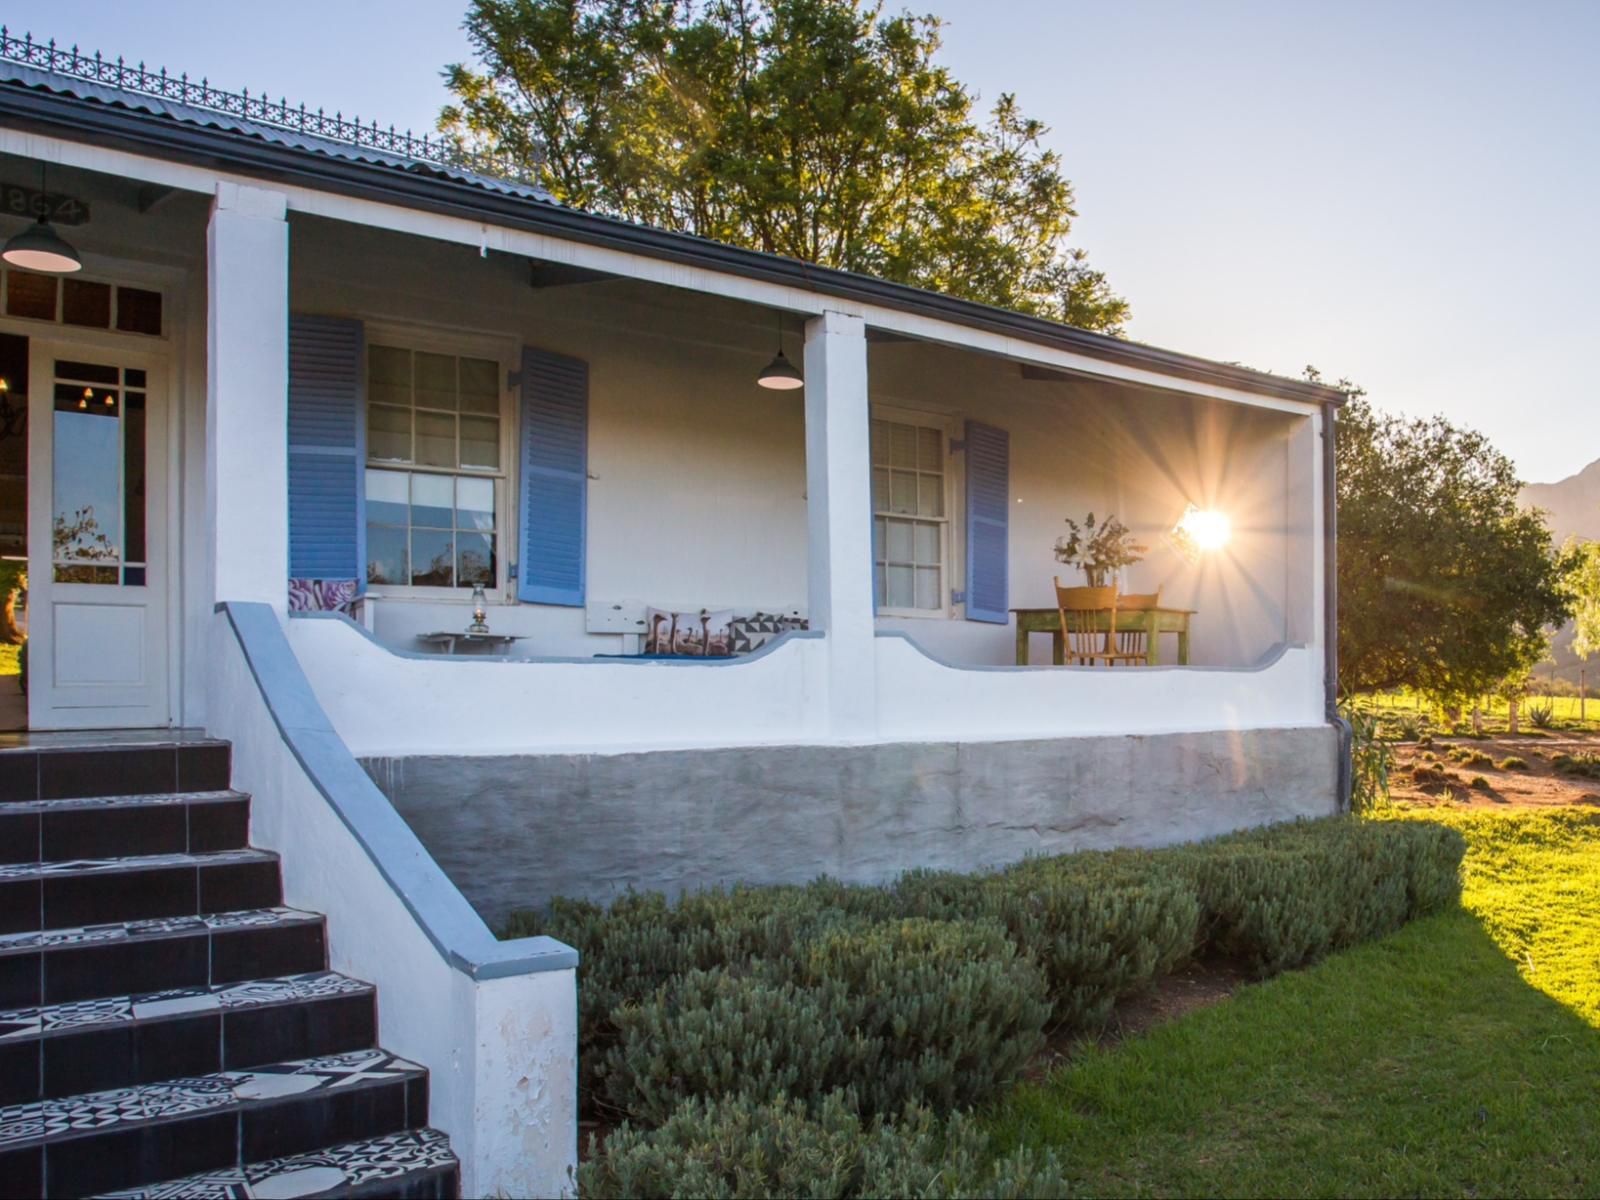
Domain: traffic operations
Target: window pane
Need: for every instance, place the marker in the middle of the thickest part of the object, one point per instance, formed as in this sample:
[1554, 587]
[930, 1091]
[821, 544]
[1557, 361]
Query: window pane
[927, 543]
[388, 433]
[432, 555]
[880, 592]
[389, 367]
[138, 311]
[480, 442]
[899, 542]
[480, 386]
[902, 591]
[880, 443]
[902, 493]
[903, 446]
[133, 427]
[928, 446]
[432, 501]
[386, 555]
[388, 502]
[878, 539]
[436, 381]
[930, 496]
[880, 489]
[87, 475]
[31, 295]
[928, 587]
[475, 504]
[436, 439]
[86, 303]
[474, 560]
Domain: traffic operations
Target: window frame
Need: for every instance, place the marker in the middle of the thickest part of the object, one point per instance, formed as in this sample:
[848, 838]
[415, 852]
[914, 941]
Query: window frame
[945, 424]
[504, 352]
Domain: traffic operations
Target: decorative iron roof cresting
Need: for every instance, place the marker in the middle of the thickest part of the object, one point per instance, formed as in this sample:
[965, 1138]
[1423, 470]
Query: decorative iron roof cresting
[261, 109]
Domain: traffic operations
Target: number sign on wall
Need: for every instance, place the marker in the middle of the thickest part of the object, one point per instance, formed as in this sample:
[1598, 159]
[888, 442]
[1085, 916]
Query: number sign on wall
[19, 201]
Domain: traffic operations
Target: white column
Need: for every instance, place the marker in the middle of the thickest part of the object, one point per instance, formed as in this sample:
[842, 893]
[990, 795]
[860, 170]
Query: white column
[839, 518]
[247, 385]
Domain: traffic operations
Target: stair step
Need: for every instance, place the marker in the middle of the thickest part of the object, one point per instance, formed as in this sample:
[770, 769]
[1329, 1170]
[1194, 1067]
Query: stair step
[119, 1041]
[73, 892]
[55, 966]
[102, 1141]
[99, 766]
[416, 1164]
[106, 826]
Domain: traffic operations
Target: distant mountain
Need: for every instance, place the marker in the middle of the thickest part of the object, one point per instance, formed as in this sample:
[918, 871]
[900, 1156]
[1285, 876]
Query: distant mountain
[1573, 503]
[1573, 506]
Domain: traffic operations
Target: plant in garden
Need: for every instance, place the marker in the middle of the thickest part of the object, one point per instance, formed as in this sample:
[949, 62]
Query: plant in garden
[1371, 759]
[1100, 551]
[736, 1147]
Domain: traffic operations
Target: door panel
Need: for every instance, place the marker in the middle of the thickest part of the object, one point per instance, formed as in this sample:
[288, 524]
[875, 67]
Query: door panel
[96, 562]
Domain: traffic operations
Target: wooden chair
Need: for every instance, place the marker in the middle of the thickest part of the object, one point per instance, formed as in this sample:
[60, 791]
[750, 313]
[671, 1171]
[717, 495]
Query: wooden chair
[1082, 609]
[1134, 644]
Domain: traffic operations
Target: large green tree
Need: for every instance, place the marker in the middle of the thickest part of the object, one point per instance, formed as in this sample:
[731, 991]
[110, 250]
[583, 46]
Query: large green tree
[825, 130]
[1445, 584]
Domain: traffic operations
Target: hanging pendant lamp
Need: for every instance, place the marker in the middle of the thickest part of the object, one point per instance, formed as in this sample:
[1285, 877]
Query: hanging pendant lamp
[40, 248]
[780, 374]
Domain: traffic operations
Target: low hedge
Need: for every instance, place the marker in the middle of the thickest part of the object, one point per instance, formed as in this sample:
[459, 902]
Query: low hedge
[1284, 896]
[934, 989]
[739, 1148]
[935, 1012]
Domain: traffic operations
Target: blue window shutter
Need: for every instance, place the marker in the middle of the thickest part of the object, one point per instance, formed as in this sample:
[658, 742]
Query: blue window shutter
[554, 504]
[988, 523]
[327, 450]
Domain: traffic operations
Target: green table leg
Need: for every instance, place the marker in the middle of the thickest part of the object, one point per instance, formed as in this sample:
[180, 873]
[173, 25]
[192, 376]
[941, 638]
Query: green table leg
[1022, 641]
[1183, 646]
[1058, 648]
[1151, 638]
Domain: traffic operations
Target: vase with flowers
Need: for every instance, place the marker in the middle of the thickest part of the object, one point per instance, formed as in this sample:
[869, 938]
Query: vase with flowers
[1099, 550]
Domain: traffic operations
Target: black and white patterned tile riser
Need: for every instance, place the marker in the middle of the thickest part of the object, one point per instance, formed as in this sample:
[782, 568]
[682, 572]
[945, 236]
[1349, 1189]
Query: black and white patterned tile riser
[216, 973]
[350, 1165]
[172, 1001]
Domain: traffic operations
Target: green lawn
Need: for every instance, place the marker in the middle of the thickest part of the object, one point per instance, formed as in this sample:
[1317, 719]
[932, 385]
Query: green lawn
[1459, 1057]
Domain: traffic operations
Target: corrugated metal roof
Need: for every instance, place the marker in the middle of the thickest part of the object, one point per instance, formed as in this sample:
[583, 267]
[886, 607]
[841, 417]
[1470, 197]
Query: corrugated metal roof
[19, 75]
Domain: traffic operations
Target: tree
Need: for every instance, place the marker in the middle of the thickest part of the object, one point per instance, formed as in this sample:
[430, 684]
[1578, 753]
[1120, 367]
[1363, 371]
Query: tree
[819, 129]
[1445, 585]
[1583, 590]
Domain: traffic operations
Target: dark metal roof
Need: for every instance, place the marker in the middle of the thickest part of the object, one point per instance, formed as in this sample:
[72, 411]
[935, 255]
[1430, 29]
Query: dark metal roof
[78, 109]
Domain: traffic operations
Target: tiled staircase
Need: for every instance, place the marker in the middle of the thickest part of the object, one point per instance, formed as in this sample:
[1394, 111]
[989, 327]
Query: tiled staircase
[167, 1027]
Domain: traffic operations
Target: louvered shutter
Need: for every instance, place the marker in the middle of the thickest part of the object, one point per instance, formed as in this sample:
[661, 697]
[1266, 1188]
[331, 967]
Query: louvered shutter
[553, 507]
[988, 521]
[327, 450]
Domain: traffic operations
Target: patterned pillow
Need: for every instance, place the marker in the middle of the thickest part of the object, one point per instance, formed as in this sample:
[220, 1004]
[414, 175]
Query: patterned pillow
[321, 595]
[704, 633]
[755, 631]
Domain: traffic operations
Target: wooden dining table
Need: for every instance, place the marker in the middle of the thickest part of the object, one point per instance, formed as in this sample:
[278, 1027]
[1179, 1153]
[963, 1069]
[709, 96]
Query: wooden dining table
[1153, 621]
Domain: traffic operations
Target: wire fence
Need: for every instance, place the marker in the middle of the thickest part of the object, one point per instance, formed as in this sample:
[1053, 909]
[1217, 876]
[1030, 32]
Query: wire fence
[259, 108]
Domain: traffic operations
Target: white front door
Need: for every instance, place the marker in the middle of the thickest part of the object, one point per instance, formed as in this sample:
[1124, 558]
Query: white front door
[97, 499]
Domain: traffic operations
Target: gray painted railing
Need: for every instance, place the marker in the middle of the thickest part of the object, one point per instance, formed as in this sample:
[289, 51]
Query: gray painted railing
[439, 908]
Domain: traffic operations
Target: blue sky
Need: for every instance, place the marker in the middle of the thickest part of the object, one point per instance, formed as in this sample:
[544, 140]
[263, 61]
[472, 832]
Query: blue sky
[1401, 193]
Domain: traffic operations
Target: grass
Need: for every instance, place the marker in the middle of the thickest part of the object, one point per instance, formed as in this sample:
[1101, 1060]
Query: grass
[1457, 1057]
[1568, 712]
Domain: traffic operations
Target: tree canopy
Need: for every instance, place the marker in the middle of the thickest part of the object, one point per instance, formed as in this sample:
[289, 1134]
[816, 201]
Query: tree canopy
[825, 130]
[1445, 584]
[1583, 589]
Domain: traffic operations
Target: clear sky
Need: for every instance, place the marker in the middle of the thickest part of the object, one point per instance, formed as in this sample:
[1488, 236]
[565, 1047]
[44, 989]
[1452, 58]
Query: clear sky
[1403, 193]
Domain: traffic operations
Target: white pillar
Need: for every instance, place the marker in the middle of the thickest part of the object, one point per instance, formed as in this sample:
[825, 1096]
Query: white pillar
[247, 385]
[839, 518]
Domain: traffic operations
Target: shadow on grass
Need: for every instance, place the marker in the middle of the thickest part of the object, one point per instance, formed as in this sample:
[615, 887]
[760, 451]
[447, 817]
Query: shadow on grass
[1419, 1064]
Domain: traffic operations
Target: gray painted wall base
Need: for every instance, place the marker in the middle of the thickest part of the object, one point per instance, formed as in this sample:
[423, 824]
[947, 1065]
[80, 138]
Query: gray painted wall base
[513, 831]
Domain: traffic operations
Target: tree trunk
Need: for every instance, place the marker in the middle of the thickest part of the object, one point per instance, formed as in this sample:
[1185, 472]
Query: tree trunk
[1477, 720]
[1514, 705]
[9, 633]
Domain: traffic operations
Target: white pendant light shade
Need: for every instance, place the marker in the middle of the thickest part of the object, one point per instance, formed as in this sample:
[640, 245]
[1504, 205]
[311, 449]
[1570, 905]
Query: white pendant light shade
[40, 248]
[780, 375]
